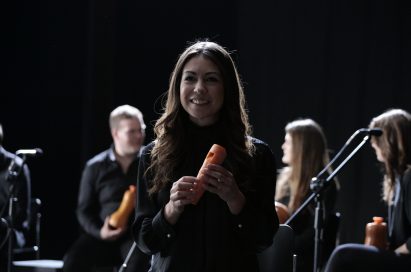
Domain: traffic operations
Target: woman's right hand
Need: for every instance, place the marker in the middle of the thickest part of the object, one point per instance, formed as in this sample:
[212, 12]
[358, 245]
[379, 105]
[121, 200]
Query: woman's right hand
[181, 194]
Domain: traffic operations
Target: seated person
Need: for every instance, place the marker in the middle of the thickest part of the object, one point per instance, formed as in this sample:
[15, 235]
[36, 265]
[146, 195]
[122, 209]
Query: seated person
[393, 150]
[105, 179]
[20, 187]
[305, 154]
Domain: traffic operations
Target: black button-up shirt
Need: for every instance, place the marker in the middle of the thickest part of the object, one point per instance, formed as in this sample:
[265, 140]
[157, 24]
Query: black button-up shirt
[102, 187]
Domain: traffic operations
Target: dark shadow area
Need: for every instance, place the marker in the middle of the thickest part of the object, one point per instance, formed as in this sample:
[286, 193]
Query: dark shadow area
[72, 62]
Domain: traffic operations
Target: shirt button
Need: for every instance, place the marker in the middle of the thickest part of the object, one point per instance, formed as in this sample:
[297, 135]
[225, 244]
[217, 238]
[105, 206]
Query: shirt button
[240, 226]
[168, 235]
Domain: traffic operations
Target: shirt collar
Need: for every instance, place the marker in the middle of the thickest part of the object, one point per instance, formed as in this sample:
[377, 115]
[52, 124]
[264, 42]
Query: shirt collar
[112, 156]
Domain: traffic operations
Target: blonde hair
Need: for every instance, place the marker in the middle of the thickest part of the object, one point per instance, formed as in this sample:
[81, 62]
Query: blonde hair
[125, 112]
[309, 155]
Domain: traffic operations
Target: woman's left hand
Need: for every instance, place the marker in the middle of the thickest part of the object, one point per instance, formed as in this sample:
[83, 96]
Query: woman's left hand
[220, 181]
[402, 249]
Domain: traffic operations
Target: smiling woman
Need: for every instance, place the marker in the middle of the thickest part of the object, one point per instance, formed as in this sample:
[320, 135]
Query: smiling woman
[234, 219]
[202, 90]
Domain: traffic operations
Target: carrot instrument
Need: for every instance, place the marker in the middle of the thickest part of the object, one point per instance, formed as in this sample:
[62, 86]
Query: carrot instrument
[376, 233]
[283, 212]
[119, 218]
[216, 155]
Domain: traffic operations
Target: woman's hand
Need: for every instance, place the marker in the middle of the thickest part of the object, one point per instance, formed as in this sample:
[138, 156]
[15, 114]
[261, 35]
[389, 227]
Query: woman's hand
[181, 194]
[220, 181]
[402, 250]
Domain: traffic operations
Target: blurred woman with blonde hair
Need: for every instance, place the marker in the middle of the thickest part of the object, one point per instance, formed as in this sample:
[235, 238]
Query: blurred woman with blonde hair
[305, 154]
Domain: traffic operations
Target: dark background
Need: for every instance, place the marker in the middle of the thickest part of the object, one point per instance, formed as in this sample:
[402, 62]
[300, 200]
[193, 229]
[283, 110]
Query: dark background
[69, 63]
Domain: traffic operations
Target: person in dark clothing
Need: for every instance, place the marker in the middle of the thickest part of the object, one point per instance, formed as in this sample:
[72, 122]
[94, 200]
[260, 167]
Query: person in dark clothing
[235, 217]
[104, 180]
[305, 155]
[393, 150]
[20, 187]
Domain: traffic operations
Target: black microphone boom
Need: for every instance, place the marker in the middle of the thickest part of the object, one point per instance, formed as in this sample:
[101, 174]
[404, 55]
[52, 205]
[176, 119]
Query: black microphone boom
[377, 132]
[371, 131]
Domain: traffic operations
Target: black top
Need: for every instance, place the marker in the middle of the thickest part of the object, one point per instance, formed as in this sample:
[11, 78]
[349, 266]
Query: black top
[21, 190]
[399, 219]
[102, 187]
[207, 237]
[303, 227]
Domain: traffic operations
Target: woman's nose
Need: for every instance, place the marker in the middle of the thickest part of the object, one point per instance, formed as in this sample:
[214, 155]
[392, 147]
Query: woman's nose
[200, 87]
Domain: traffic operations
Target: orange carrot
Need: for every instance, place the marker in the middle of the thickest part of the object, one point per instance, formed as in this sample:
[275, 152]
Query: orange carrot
[119, 218]
[216, 155]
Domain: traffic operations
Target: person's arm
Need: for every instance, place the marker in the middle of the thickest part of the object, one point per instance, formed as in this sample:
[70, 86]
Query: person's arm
[21, 191]
[406, 247]
[257, 222]
[27, 196]
[152, 232]
[87, 208]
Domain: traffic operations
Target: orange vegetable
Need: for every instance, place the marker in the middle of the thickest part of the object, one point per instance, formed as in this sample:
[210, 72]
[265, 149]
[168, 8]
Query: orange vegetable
[119, 218]
[376, 233]
[216, 155]
[282, 212]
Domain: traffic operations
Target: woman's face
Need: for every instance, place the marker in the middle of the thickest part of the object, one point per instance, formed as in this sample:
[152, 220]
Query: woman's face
[202, 90]
[287, 149]
[377, 149]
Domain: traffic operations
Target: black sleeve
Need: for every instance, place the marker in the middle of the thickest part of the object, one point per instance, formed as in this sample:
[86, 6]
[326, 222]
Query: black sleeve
[407, 205]
[151, 231]
[258, 222]
[22, 192]
[87, 208]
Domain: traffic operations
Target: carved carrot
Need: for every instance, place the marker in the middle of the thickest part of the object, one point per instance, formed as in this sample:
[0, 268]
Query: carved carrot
[119, 218]
[216, 155]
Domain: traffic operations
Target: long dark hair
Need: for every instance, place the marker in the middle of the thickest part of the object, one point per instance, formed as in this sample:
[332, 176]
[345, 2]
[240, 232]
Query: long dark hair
[395, 145]
[170, 127]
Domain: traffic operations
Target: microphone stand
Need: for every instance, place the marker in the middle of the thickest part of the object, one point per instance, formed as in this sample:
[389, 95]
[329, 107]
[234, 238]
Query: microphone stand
[318, 185]
[124, 265]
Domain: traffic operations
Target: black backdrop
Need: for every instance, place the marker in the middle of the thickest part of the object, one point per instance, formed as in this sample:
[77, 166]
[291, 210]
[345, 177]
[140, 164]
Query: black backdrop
[338, 62]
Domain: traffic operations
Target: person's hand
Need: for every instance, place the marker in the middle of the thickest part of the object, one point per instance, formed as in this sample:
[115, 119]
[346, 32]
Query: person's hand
[220, 181]
[181, 194]
[108, 233]
[402, 249]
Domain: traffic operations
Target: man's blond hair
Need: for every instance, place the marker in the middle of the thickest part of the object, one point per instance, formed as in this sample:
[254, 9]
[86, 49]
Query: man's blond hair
[125, 112]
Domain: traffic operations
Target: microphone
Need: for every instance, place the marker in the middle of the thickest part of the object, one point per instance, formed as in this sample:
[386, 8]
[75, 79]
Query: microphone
[30, 152]
[371, 131]
[377, 132]
[18, 162]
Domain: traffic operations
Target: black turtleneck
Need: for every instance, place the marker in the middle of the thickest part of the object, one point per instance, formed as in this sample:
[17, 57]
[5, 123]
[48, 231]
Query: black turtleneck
[207, 237]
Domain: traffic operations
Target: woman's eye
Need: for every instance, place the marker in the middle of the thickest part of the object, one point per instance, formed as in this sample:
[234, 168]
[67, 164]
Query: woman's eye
[189, 78]
[212, 79]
